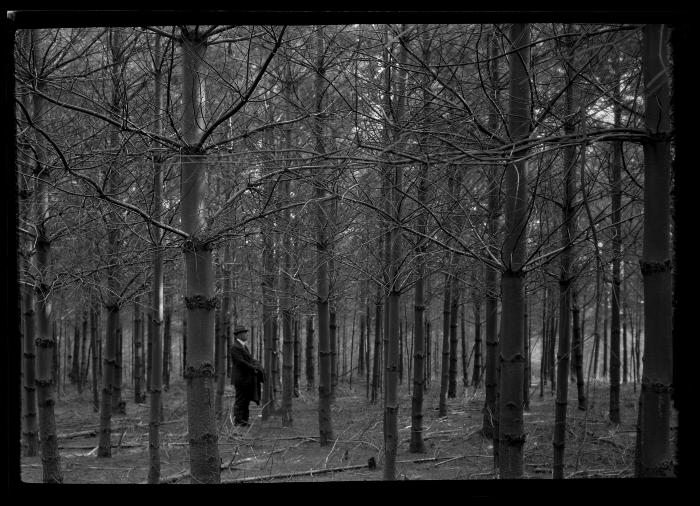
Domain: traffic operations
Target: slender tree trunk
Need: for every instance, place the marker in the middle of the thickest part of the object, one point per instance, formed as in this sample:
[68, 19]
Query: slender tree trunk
[605, 333]
[269, 317]
[94, 337]
[325, 425]
[297, 356]
[286, 297]
[545, 342]
[526, 343]
[578, 356]
[310, 367]
[490, 422]
[167, 344]
[333, 342]
[156, 380]
[139, 396]
[512, 436]
[417, 444]
[183, 343]
[84, 352]
[596, 321]
[221, 335]
[566, 281]
[75, 364]
[442, 406]
[653, 442]
[463, 345]
[112, 301]
[361, 355]
[199, 297]
[625, 354]
[614, 411]
[454, 310]
[428, 355]
[376, 365]
[391, 398]
[476, 372]
[118, 406]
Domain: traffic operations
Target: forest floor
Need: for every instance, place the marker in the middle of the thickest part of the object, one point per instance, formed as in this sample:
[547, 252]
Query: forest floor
[266, 451]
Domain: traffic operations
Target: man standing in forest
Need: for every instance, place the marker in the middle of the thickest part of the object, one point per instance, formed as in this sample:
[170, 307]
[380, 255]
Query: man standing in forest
[247, 375]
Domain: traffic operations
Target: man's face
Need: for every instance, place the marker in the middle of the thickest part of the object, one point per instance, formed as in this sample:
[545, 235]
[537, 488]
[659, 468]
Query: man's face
[243, 336]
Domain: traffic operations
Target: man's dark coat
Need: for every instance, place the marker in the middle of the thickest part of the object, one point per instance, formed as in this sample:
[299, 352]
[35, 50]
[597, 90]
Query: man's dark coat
[246, 373]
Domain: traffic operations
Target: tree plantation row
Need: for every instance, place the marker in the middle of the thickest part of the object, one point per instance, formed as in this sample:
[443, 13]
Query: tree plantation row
[391, 205]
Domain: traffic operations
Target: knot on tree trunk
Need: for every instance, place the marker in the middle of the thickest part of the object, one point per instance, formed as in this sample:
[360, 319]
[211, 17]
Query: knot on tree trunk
[201, 302]
[513, 439]
[194, 244]
[653, 267]
[510, 273]
[655, 387]
[193, 150]
[205, 370]
[204, 440]
[44, 342]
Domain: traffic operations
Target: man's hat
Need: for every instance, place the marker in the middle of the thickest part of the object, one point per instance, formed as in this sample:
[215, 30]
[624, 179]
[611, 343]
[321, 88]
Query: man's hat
[239, 330]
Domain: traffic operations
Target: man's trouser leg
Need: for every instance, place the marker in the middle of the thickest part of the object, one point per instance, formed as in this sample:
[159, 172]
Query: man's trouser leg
[240, 407]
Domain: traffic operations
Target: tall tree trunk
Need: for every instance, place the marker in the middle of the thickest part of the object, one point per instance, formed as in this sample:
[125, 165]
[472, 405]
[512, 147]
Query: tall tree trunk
[310, 366]
[325, 424]
[28, 211]
[199, 298]
[333, 327]
[167, 343]
[605, 332]
[566, 278]
[616, 193]
[596, 321]
[526, 343]
[578, 355]
[118, 406]
[297, 356]
[112, 300]
[454, 312]
[512, 436]
[625, 354]
[653, 443]
[361, 355]
[84, 352]
[391, 397]
[157, 301]
[428, 355]
[139, 396]
[417, 444]
[444, 369]
[75, 364]
[94, 337]
[286, 297]
[491, 276]
[268, 310]
[221, 335]
[376, 364]
[476, 371]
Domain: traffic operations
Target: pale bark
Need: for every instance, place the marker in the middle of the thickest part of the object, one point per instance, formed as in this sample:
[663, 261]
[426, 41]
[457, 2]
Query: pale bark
[199, 298]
